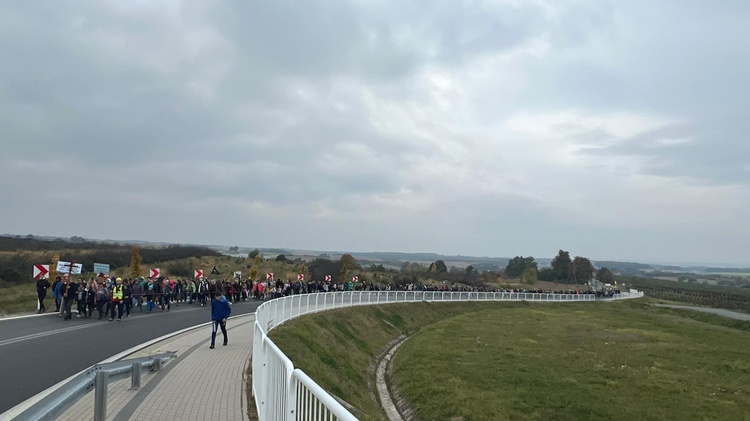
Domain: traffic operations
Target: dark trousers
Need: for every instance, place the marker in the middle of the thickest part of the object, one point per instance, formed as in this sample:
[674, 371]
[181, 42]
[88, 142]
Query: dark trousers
[112, 307]
[40, 296]
[216, 324]
[68, 305]
[101, 307]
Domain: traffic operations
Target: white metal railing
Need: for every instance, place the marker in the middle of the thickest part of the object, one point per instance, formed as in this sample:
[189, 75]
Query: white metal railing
[284, 393]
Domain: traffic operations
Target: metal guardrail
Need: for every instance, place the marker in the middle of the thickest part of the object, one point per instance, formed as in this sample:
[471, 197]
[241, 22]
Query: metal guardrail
[95, 378]
[284, 393]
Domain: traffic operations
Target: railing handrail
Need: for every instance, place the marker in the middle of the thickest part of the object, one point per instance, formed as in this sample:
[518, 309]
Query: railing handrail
[54, 404]
[275, 387]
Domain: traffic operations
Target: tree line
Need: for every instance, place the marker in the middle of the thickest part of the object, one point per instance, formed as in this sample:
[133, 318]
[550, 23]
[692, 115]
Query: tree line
[21, 254]
[578, 270]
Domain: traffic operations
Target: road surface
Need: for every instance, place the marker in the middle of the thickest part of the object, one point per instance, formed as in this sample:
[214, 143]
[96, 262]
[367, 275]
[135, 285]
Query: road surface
[38, 352]
[720, 311]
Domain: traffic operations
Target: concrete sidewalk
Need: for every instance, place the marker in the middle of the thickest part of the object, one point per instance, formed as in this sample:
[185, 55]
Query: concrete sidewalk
[200, 384]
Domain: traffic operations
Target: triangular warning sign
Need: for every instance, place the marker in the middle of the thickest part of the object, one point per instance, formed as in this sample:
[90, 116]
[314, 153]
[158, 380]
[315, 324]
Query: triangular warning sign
[215, 271]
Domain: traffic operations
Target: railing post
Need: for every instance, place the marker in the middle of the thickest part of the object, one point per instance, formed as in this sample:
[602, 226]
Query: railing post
[157, 365]
[291, 400]
[100, 395]
[135, 376]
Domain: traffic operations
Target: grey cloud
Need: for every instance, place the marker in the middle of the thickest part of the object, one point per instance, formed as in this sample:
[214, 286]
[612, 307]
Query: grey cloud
[199, 110]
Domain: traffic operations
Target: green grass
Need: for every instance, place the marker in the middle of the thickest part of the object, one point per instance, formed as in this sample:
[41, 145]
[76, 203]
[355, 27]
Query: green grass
[496, 361]
[336, 347]
[22, 299]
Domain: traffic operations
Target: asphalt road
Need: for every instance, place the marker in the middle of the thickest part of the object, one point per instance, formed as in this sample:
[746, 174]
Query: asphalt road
[38, 352]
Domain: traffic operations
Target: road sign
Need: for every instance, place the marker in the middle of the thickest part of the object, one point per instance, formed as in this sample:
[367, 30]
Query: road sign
[41, 271]
[355, 278]
[154, 273]
[301, 277]
[198, 273]
[328, 278]
[67, 267]
[101, 269]
[269, 276]
[238, 274]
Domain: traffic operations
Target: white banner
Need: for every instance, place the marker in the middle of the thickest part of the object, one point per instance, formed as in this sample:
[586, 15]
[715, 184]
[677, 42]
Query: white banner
[67, 267]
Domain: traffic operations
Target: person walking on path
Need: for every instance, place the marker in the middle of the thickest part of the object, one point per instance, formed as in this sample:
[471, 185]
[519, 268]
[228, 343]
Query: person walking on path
[116, 300]
[137, 290]
[69, 293]
[41, 291]
[220, 312]
[56, 290]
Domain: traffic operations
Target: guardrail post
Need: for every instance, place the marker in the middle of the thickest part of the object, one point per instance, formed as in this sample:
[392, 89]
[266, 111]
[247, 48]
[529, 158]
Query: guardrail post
[100, 395]
[157, 365]
[135, 376]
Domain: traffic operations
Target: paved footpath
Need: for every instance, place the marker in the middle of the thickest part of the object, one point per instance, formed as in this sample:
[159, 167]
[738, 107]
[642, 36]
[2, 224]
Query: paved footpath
[200, 384]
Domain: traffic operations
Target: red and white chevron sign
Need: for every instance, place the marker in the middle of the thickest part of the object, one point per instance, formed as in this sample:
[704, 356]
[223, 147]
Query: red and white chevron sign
[328, 278]
[154, 273]
[269, 276]
[198, 273]
[41, 271]
[301, 277]
[355, 278]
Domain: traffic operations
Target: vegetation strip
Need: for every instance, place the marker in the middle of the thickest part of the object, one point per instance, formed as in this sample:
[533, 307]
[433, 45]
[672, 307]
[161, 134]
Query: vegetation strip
[619, 361]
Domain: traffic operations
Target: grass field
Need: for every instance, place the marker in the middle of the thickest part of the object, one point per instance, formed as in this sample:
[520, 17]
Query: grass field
[22, 299]
[484, 361]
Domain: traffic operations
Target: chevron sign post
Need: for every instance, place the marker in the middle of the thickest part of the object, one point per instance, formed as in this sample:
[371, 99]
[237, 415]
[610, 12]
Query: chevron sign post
[355, 278]
[41, 271]
[154, 273]
[301, 277]
[328, 278]
[269, 276]
[198, 273]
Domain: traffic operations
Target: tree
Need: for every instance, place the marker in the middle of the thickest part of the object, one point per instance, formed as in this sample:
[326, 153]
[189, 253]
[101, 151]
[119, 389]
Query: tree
[319, 268]
[470, 274]
[302, 268]
[234, 249]
[438, 266]
[529, 276]
[561, 265]
[256, 265]
[53, 267]
[582, 269]
[281, 258]
[348, 264]
[412, 267]
[135, 262]
[253, 254]
[518, 264]
[605, 275]
[546, 274]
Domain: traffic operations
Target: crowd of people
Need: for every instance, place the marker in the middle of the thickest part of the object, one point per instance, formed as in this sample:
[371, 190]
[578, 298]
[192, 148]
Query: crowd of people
[117, 297]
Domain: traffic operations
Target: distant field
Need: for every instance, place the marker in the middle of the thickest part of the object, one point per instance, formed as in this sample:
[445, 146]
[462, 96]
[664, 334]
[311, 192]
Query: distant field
[480, 361]
[699, 279]
[742, 274]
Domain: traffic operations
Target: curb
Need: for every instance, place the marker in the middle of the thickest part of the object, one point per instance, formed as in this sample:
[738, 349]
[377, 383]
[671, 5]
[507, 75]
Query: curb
[23, 406]
[25, 316]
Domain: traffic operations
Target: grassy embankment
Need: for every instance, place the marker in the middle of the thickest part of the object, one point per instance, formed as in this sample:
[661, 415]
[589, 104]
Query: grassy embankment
[483, 361]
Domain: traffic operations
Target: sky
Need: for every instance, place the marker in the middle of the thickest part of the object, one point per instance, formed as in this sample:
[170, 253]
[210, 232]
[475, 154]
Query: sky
[613, 129]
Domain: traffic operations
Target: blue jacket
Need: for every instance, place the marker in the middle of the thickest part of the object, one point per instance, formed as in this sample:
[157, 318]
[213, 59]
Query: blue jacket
[56, 291]
[220, 309]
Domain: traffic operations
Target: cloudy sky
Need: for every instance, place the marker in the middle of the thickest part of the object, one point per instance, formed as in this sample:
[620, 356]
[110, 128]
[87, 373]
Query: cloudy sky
[613, 129]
